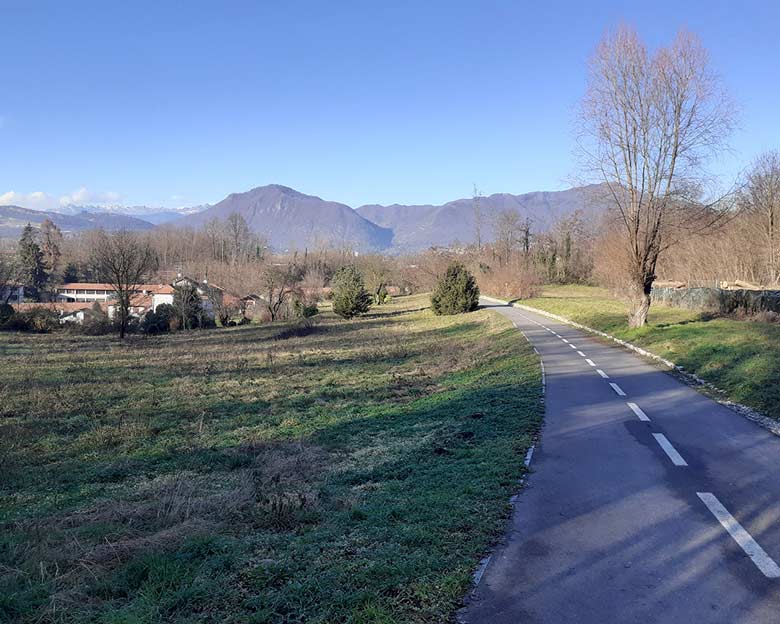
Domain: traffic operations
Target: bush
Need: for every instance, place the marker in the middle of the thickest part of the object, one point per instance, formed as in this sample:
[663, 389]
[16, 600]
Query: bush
[518, 280]
[350, 297]
[94, 326]
[38, 320]
[188, 306]
[381, 297]
[302, 309]
[6, 312]
[456, 292]
[158, 321]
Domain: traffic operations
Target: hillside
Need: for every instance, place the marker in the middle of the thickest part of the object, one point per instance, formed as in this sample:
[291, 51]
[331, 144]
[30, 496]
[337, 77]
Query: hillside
[421, 226]
[14, 218]
[291, 219]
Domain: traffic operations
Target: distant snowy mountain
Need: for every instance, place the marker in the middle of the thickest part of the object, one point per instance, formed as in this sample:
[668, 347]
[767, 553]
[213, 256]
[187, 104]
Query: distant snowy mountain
[14, 218]
[152, 214]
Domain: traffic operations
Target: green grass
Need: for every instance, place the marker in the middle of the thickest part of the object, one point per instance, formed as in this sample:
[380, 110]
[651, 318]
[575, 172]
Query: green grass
[738, 356]
[353, 474]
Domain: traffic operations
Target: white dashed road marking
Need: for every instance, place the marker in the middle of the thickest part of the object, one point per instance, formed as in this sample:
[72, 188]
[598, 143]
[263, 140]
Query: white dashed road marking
[618, 390]
[757, 554]
[663, 441]
[752, 549]
[638, 411]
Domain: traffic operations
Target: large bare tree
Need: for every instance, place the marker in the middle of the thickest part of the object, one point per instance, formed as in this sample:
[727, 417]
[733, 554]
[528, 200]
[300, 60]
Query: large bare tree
[762, 212]
[123, 260]
[649, 124]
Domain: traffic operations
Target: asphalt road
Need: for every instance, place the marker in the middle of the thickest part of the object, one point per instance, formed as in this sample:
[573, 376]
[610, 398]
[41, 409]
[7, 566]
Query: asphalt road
[657, 506]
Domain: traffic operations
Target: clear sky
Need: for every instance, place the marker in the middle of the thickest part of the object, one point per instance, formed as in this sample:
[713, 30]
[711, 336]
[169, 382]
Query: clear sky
[181, 103]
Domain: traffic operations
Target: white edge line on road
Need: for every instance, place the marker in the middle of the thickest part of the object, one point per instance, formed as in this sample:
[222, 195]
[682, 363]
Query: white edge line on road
[638, 411]
[602, 373]
[580, 353]
[618, 390]
[664, 443]
[591, 362]
[757, 554]
[536, 351]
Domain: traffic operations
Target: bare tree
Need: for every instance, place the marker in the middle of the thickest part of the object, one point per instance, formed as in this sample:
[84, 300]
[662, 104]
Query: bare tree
[239, 236]
[278, 284]
[476, 200]
[762, 211]
[216, 232]
[377, 271]
[123, 259]
[649, 123]
[51, 244]
[510, 231]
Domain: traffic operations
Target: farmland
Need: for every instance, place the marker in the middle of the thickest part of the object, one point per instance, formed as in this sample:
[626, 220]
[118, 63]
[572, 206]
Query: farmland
[326, 471]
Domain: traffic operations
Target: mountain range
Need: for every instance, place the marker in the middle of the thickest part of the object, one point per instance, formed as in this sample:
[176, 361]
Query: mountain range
[14, 218]
[293, 220]
[153, 214]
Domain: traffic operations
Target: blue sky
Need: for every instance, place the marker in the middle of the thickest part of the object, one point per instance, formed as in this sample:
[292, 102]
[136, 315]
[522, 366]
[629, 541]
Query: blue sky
[181, 103]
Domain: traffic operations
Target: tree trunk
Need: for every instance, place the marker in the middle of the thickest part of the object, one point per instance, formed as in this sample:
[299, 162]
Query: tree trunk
[639, 299]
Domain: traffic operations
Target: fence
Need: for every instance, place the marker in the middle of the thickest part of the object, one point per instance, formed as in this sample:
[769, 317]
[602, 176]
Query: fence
[718, 300]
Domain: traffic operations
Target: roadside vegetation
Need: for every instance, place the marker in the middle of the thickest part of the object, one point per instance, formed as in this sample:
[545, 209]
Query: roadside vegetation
[327, 471]
[741, 357]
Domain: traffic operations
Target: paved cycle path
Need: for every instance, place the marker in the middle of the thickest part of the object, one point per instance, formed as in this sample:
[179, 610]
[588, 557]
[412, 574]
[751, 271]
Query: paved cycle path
[647, 501]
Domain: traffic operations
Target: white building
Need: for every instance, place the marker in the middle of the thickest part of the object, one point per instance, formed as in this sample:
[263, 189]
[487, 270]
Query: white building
[80, 292]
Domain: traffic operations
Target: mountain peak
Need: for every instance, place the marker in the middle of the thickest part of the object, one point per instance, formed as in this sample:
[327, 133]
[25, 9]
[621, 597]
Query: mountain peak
[290, 219]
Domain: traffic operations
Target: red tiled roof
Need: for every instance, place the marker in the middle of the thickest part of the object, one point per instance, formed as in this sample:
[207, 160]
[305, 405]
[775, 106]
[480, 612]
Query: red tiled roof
[159, 289]
[85, 286]
[61, 307]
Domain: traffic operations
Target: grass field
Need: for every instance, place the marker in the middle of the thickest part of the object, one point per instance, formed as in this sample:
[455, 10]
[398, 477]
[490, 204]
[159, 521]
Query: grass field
[740, 357]
[352, 472]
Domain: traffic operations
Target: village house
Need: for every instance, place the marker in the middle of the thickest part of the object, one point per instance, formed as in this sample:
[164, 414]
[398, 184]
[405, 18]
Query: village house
[147, 296]
[210, 295]
[74, 301]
